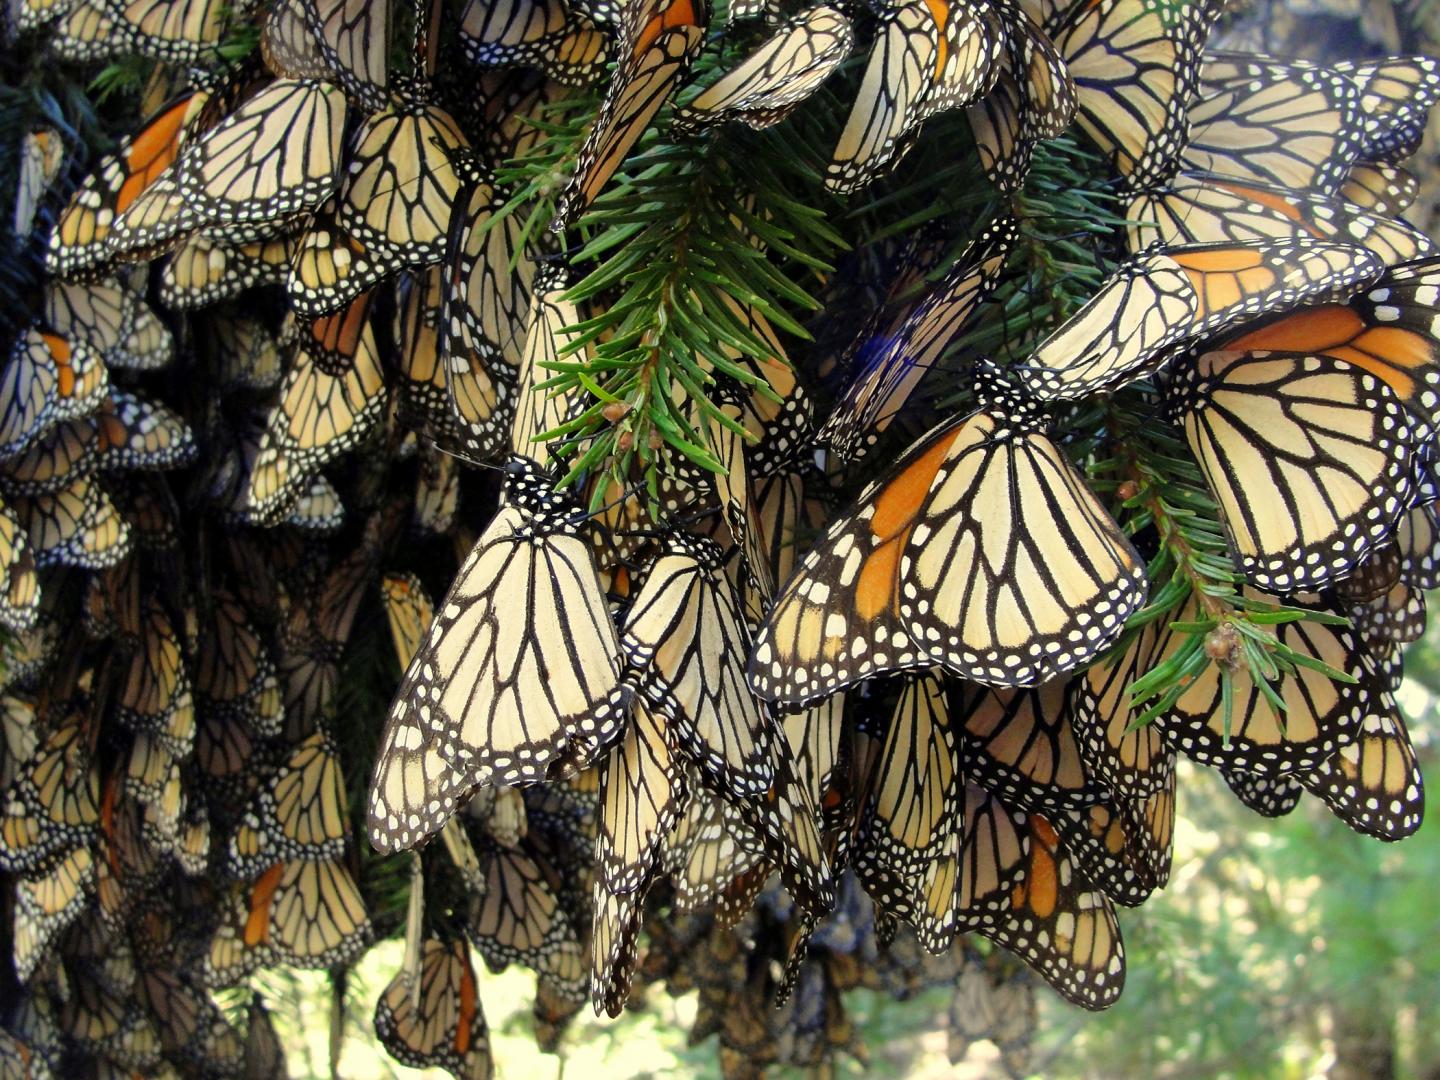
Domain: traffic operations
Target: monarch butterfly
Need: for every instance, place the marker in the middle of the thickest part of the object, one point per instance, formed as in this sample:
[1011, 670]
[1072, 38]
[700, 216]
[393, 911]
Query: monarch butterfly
[155, 693]
[538, 411]
[485, 319]
[1295, 126]
[1134, 78]
[1418, 538]
[1023, 745]
[90, 30]
[157, 222]
[555, 36]
[709, 847]
[179, 33]
[331, 268]
[1127, 758]
[298, 813]
[463, 691]
[1033, 99]
[318, 509]
[925, 60]
[1396, 95]
[1374, 784]
[1268, 794]
[1158, 300]
[1395, 617]
[424, 397]
[19, 587]
[190, 1025]
[521, 919]
[76, 525]
[132, 433]
[1386, 330]
[47, 380]
[1198, 209]
[321, 414]
[147, 769]
[879, 593]
[1278, 437]
[915, 786]
[110, 317]
[614, 947]
[288, 47]
[41, 154]
[1320, 716]
[402, 182]
[658, 40]
[643, 794]
[205, 271]
[767, 85]
[437, 493]
[1381, 189]
[46, 904]
[1025, 893]
[317, 626]
[431, 1017]
[53, 804]
[275, 156]
[871, 401]
[305, 913]
[78, 242]
[264, 1055]
[233, 674]
[1100, 838]
[354, 38]
[685, 646]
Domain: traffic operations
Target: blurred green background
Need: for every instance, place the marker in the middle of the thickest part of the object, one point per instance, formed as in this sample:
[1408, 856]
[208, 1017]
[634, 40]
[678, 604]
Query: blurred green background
[1282, 949]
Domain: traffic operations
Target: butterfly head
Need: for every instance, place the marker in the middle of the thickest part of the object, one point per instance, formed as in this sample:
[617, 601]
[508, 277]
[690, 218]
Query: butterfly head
[998, 395]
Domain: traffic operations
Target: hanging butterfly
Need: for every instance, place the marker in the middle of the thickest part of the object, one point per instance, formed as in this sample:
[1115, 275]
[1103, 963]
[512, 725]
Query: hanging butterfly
[933, 568]
[464, 690]
[275, 156]
[42, 153]
[1387, 330]
[771, 82]
[925, 59]
[324, 410]
[1196, 209]
[521, 918]
[1307, 456]
[658, 40]
[47, 380]
[402, 182]
[299, 812]
[204, 271]
[1134, 80]
[78, 242]
[555, 36]
[685, 644]
[1024, 745]
[1021, 889]
[431, 1017]
[1295, 126]
[1374, 784]
[1396, 96]
[305, 914]
[1127, 757]
[178, 33]
[1162, 299]
[1032, 99]
[901, 359]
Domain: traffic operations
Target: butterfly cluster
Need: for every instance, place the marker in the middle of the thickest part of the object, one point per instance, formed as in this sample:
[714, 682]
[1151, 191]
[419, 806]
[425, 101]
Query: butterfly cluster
[320, 588]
